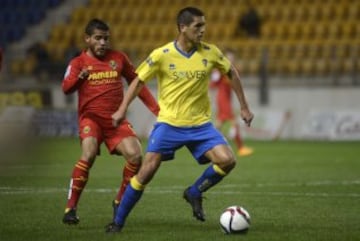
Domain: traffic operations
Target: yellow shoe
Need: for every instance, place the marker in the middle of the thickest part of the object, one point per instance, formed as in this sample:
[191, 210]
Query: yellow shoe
[245, 151]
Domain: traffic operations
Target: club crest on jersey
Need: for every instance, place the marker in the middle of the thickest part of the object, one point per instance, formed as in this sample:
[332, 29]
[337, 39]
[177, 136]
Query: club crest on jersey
[205, 62]
[113, 65]
[149, 61]
[86, 129]
[172, 67]
[165, 50]
[90, 67]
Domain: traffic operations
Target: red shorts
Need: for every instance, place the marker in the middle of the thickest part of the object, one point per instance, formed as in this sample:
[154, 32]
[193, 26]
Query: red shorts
[104, 131]
[224, 110]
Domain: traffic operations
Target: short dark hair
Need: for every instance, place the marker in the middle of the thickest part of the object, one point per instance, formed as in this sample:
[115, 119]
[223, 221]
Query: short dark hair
[95, 24]
[185, 15]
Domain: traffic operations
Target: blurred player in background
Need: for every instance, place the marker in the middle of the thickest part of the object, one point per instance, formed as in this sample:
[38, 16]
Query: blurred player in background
[183, 69]
[97, 76]
[225, 112]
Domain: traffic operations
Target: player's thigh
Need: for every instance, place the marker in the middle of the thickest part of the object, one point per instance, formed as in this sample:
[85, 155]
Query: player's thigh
[114, 138]
[223, 156]
[91, 137]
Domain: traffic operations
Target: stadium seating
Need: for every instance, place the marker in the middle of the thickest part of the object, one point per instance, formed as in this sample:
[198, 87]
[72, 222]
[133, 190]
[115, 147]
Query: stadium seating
[299, 37]
[17, 15]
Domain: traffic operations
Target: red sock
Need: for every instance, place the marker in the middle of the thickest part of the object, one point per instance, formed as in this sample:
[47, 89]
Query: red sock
[78, 182]
[129, 171]
[238, 140]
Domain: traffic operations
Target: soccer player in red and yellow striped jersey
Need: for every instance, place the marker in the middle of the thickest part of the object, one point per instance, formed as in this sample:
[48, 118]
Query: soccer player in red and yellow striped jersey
[97, 76]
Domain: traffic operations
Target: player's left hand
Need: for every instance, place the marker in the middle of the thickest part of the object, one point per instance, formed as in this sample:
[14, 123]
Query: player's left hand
[247, 116]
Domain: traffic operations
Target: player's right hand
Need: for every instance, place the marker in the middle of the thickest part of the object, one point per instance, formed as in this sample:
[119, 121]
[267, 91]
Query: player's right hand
[84, 73]
[247, 116]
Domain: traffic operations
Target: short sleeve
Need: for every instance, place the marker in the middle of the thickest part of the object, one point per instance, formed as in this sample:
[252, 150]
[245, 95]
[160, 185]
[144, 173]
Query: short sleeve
[148, 68]
[221, 62]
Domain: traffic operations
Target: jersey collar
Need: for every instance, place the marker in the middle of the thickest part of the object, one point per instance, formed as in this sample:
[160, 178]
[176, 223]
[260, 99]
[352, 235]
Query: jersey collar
[187, 55]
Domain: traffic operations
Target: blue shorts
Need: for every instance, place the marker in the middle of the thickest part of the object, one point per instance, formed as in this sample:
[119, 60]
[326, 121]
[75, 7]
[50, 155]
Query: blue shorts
[166, 139]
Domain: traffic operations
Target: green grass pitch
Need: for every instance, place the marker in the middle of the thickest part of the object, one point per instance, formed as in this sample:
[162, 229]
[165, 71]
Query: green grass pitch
[293, 190]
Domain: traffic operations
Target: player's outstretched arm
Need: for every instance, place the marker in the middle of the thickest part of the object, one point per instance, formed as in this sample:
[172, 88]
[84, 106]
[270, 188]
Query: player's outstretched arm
[149, 101]
[133, 90]
[245, 112]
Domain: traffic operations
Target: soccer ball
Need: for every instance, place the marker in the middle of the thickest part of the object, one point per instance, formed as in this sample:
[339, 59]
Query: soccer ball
[235, 219]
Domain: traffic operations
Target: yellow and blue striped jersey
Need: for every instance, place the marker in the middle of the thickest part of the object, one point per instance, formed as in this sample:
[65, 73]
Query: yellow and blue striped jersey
[183, 80]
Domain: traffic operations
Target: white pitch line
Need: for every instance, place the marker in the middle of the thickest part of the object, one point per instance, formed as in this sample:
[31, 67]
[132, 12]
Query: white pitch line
[292, 194]
[173, 190]
[296, 184]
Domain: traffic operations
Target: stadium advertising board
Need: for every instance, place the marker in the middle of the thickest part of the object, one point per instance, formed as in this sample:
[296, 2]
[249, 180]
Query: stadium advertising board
[332, 125]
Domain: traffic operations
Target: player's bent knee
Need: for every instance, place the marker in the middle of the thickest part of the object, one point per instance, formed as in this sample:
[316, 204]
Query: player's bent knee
[227, 164]
[230, 165]
[135, 159]
[88, 156]
[133, 155]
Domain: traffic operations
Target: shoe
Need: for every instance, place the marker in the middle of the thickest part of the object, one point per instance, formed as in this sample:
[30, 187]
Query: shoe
[196, 204]
[245, 151]
[70, 217]
[115, 207]
[113, 228]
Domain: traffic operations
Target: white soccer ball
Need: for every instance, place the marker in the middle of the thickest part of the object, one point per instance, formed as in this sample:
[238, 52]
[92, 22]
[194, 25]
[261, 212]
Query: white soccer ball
[235, 219]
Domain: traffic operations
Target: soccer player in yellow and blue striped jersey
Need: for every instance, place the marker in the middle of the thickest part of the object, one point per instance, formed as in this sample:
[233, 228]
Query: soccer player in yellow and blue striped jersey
[182, 69]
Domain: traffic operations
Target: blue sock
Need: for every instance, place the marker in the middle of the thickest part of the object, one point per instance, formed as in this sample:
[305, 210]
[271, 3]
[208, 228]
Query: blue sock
[130, 198]
[209, 178]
